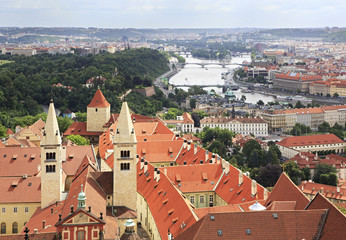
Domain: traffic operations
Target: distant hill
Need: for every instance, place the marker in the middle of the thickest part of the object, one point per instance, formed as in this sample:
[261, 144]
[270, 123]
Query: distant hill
[334, 34]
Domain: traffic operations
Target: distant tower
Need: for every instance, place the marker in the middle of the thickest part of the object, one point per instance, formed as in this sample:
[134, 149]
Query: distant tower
[98, 112]
[81, 199]
[233, 112]
[124, 170]
[51, 161]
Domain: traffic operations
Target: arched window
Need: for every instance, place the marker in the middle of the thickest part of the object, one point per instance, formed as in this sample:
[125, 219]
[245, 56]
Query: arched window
[124, 166]
[47, 168]
[3, 228]
[125, 154]
[15, 227]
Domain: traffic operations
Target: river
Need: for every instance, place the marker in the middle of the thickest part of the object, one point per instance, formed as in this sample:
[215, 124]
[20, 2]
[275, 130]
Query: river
[193, 74]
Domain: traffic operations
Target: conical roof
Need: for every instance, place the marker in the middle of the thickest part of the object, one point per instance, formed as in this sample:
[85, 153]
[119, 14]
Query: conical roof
[125, 131]
[51, 135]
[99, 100]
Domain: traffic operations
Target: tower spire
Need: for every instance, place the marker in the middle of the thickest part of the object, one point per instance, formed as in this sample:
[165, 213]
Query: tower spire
[125, 130]
[51, 134]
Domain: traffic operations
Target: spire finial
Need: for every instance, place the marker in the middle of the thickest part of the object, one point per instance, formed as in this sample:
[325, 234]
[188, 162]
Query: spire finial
[81, 198]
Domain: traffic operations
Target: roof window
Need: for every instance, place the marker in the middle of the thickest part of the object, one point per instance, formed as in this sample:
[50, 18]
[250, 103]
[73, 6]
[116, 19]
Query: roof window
[248, 231]
[219, 232]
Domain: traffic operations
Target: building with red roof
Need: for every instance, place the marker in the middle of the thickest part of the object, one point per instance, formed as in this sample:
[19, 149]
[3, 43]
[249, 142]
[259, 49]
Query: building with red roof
[335, 194]
[290, 146]
[294, 80]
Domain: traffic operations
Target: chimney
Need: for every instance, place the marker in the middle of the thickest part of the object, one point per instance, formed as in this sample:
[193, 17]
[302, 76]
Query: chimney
[213, 158]
[170, 236]
[176, 136]
[218, 159]
[195, 149]
[253, 187]
[145, 166]
[185, 144]
[35, 230]
[225, 166]
[157, 175]
[51, 211]
[133, 119]
[43, 224]
[165, 170]
[206, 155]
[188, 146]
[265, 193]
[137, 158]
[142, 163]
[155, 170]
[240, 178]
[337, 189]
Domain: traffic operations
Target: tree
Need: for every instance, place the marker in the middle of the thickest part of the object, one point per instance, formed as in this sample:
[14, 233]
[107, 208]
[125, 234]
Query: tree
[81, 117]
[323, 127]
[3, 131]
[260, 102]
[64, 123]
[249, 146]
[292, 170]
[79, 140]
[196, 119]
[299, 105]
[267, 176]
[307, 173]
[193, 103]
[322, 168]
[243, 98]
[336, 95]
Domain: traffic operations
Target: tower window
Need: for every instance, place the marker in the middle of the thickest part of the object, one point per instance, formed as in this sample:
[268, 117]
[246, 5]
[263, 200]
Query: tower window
[124, 166]
[95, 109]
[125, 154]
[50, 168]
[50, 155]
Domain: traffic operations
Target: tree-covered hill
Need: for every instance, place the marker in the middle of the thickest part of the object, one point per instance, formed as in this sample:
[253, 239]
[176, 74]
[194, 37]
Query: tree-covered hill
[27, 82]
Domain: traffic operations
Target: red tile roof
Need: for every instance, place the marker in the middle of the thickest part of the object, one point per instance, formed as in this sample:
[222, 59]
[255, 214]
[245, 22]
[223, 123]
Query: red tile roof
[99, 100]
[326, 190]
[335, 226]
[27, 161]
[80, 128]
[187, 118]
[18, 189]
[286, 190]
[201, 212]
[159, 151]
[257, 225]
[310, 140]
[32, 236]
[191, 179]
[229, 190]
[161, 197]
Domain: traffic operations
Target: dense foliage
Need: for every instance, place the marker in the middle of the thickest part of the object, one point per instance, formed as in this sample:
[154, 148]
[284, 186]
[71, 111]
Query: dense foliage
[28, 82]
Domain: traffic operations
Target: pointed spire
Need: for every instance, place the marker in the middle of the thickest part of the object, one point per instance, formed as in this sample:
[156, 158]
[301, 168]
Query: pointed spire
[51, 135]
[125, 131]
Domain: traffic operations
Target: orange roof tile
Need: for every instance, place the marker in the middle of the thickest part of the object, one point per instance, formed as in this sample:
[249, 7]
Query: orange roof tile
[286, 190]
[257, 225]
[80, 128]
[310, 140]
[195, 178]
[335, 226]
[99, 100]
[173, 200]
[25, 190]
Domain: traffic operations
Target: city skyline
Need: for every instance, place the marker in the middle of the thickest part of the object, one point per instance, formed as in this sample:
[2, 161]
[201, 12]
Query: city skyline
[172, 14]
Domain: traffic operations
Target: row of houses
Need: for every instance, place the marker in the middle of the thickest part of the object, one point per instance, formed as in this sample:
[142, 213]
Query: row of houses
[284, 120]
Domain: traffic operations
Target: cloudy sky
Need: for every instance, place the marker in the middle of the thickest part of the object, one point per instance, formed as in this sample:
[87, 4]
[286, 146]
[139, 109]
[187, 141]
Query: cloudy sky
[173, 13]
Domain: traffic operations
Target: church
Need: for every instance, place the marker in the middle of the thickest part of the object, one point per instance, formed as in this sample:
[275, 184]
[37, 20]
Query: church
[147, 183]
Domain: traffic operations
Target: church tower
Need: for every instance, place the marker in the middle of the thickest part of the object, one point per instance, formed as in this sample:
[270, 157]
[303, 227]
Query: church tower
[98, 112]
[124, 170]
[51, 161]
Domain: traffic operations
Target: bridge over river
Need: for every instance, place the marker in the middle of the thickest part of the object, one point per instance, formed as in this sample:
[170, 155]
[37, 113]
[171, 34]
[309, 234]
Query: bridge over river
[222, 64]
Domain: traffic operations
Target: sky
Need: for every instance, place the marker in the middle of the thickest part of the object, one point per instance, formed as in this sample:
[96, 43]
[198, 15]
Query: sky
[173, 13]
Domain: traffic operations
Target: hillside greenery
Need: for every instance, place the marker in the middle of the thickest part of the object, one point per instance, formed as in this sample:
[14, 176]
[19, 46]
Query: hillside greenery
[26, 83]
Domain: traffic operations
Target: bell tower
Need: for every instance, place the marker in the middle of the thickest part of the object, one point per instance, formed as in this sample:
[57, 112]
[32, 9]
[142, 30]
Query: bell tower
[124, 170]
[98, 112]
[51, 162]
